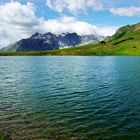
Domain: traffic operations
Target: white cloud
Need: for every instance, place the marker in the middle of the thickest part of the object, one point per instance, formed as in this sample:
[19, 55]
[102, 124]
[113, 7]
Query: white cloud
[70, 24]
[16, 21]
[15, 13]
[97, 6]
[73, 6]
[107, 31]
[78, 6]
[126, 11]
[19, 21]
[67, 24]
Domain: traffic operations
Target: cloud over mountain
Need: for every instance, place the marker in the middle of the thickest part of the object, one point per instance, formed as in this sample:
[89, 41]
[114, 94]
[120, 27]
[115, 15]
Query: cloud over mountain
[20, 21]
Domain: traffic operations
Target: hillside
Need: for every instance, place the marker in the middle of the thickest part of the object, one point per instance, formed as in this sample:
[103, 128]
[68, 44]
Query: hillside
[126, 41]
[125, 33]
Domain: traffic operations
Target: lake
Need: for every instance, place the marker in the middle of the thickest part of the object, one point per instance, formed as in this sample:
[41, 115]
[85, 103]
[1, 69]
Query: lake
[70, 98]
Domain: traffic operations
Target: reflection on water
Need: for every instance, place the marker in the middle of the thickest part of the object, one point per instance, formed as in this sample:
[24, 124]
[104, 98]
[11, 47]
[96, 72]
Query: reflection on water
[74, 98]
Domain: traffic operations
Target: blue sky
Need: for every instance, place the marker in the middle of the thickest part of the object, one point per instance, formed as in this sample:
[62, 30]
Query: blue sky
[57, 16]
[101, 17]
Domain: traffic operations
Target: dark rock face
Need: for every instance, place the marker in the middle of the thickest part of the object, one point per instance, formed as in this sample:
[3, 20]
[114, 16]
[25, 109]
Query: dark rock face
[35, 45]
[70, 39]
[48, 41]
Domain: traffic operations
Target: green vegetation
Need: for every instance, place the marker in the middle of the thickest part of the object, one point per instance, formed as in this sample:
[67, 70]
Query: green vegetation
[128, 48]
[2, 136]
[126, 41]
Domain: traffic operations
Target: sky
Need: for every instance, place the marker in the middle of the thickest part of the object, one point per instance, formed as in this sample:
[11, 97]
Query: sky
[21, 18]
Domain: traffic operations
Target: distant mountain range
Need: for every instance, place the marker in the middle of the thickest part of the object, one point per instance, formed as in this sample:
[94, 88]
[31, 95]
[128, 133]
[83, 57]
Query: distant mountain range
[126, 41]
[49, 41]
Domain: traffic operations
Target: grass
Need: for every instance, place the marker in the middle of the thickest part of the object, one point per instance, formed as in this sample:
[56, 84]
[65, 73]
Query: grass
[129, 47]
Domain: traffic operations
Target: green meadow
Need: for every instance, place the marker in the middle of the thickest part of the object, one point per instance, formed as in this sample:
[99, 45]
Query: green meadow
[126, 41]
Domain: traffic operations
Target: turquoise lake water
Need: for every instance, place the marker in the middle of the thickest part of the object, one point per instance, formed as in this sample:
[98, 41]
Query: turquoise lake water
[70, 98]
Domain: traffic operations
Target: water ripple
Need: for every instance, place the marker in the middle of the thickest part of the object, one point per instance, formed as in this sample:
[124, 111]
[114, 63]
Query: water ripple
[70, 98]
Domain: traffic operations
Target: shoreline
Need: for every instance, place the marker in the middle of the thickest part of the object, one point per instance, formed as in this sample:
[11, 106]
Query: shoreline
[87, 50]
[51, 53]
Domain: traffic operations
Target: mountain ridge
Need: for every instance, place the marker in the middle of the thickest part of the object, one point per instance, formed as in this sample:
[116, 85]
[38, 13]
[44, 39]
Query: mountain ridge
[49, 41]
[126, 41]
[125, 33]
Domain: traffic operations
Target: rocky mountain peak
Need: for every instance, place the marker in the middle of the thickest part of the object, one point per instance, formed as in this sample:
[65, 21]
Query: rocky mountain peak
[50, 41]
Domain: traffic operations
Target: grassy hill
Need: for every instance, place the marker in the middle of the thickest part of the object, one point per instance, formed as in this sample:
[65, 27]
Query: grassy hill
[126, 41]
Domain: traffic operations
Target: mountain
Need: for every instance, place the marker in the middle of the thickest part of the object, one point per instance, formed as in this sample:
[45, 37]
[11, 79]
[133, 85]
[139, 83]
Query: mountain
[11, 47]
[126, 41]
[49, 41]
[125, 34]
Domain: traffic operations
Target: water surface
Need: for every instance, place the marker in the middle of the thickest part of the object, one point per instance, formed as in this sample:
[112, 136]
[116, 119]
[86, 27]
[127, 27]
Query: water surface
[70, 98]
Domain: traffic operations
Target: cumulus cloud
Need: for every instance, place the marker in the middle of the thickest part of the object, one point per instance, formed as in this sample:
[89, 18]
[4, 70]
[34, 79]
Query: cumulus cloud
[16, 21]
[67, 24]
[80, 6]
[126, 11]
[20, 21]
[15, 13]
[74, 6]
[107, 30]
[71, 24]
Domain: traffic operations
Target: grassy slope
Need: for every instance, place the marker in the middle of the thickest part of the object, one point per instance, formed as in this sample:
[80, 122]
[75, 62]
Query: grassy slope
[125, 42]
[126, 48]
